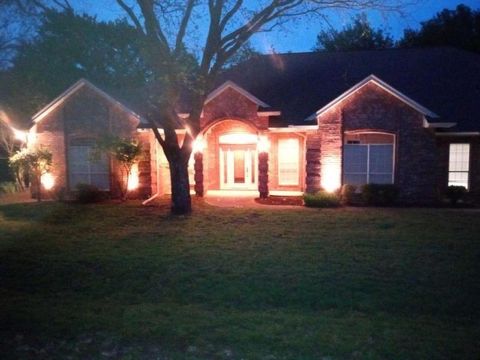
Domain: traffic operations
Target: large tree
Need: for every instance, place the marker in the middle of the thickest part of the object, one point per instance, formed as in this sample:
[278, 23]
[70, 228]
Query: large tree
[459, 28]
[358, 35]
[215, 30]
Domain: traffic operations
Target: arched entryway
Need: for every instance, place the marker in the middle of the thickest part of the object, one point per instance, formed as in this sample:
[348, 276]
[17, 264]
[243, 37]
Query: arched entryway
[230, 156]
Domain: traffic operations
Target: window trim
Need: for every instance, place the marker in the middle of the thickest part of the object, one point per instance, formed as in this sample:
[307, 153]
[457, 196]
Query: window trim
[456, 171]
[298, 161]
[360, 132]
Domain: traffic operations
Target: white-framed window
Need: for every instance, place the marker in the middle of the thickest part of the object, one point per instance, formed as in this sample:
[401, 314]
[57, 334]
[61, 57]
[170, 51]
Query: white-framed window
[83, 169]
[368, 158]
[288, 161]
[459, 165]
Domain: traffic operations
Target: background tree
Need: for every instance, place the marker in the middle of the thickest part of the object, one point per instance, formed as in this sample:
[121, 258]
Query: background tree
[459, 28]
[74, 46]
[359, 35]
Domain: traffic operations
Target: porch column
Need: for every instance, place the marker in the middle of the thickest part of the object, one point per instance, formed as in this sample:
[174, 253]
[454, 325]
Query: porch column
[198, 157]
[263, 174]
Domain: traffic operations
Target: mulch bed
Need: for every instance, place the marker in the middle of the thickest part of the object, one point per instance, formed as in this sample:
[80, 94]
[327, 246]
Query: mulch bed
[281, 200]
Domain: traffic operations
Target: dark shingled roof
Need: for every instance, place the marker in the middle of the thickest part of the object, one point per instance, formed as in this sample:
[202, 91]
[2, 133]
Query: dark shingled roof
[444, 80]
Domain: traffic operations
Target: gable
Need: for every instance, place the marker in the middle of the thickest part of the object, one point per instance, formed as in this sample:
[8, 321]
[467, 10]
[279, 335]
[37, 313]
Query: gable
[230, 85]
[372, 79]
[74, 89]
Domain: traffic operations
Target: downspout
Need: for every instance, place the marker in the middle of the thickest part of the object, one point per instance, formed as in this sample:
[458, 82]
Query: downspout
[157, 194]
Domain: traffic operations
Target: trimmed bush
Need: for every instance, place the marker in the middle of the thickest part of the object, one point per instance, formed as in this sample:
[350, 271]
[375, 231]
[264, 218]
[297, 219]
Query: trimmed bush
[455, 194]
[379, 194]
[348, 195]
[321, 199]
[87, 193]
[8, 187]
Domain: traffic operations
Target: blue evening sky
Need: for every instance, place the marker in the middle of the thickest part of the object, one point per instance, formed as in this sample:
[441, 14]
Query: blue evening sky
[301, 35]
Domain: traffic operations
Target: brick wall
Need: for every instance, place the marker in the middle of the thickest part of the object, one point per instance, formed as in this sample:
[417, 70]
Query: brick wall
[372, 108]
[85, 115]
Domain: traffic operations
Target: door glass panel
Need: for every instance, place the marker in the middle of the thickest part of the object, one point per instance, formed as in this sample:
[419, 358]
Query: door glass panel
[239, 166]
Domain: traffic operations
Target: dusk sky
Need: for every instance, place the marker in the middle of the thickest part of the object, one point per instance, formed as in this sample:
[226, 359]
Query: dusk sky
[301, 36]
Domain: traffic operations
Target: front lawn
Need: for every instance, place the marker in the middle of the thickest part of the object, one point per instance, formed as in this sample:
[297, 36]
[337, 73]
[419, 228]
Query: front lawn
[126, 281]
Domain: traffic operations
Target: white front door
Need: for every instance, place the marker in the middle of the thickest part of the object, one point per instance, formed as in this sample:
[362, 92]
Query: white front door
[238, 167]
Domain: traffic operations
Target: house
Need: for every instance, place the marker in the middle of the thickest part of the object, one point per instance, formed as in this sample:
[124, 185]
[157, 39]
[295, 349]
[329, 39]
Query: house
[301, 122]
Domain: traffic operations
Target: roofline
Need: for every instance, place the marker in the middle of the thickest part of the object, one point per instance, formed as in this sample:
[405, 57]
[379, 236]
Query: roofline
[230, 84]
[390, 89]
[47, 109]
[459, 133]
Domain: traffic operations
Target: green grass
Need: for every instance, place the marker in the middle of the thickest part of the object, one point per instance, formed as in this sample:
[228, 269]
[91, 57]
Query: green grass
[125, 281]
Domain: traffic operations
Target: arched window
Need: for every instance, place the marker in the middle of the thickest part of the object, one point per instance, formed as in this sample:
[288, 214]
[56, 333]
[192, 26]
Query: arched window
[368, 158]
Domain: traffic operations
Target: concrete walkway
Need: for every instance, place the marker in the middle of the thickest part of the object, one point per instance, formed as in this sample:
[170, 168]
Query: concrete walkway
[242, 199]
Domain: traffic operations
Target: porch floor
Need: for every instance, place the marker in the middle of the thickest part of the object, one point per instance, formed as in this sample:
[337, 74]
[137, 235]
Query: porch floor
[244, 199]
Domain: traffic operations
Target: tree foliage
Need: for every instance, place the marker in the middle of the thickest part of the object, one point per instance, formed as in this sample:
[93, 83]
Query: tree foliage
[68, 47]
[126, 152]
[32, 162]
[359, 35]
[458, 28]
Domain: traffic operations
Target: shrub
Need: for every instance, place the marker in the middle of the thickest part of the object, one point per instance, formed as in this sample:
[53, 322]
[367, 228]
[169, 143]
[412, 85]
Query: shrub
[379, 194]
[8, 187]
[322, 199]
[456, 193]
[87, 193]
[348, 194]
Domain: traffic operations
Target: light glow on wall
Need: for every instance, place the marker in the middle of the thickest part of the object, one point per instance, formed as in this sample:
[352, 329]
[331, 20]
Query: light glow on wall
[198, 145]
[263, 144]
[238, 138]
[48, 181]
[133, 180]
[331, 174]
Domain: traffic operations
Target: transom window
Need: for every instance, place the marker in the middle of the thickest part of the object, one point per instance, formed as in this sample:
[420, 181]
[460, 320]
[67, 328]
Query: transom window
[368, 158]
[288, 161]
[459, 165]
[83, 169]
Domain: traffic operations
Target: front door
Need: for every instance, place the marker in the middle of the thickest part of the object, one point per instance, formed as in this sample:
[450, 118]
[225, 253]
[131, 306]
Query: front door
[237, 167]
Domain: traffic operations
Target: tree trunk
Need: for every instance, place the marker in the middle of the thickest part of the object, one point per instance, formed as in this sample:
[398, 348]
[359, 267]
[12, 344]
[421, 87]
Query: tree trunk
[181, 200]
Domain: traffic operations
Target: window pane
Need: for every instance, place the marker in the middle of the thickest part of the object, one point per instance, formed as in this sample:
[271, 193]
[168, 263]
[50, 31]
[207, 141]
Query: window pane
[101, 181]
[355, 158]
[381, 159]
[459, 157]
[380, 179]
[78, 179]
[458, 179]
[78, 159]
[355, 179]
[288, 161]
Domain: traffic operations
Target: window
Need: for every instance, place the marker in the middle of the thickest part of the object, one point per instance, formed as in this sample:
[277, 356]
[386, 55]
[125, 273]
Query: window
[288, 161]
[368, 159]
[84, 170]
[459, 165]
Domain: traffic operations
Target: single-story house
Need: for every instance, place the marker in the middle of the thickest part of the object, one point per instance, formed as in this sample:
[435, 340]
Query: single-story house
[409, 117]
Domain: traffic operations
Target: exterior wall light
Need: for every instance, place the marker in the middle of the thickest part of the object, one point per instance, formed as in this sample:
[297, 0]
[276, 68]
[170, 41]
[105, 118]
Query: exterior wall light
[48, 181]
[263, 144]
[198, 145]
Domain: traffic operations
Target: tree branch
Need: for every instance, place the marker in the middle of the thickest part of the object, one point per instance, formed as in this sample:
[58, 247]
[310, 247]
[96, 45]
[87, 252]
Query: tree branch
[131, 15]
[183, 26]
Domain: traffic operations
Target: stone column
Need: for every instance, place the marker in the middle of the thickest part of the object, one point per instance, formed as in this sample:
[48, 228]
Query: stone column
[263, 174]
[198, 157]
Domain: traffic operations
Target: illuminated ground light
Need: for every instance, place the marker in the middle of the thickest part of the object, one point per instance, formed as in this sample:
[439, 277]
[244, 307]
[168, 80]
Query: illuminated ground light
[331, 176]
[133, 180]
[48, 181]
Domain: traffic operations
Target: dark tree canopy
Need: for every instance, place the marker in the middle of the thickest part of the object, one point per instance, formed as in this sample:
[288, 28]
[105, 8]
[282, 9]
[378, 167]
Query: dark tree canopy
[459, 28]
[359, 35]
[68, 47]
